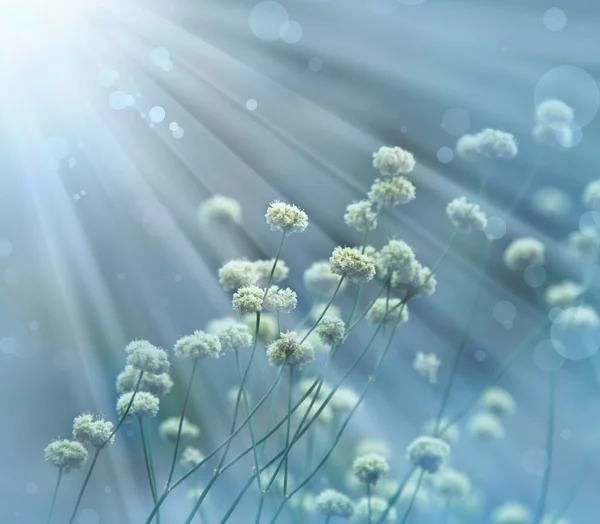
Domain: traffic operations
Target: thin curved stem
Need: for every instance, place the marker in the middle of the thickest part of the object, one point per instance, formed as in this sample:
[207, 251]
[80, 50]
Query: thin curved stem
[324, 310]
[101, 447]
[287, 434]
[413, 498]
[181, 418]
[541, 505]
[369, 509]
[57, 485]
[151, 480]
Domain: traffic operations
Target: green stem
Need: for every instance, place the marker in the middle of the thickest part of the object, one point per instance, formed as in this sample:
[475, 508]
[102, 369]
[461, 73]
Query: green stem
[177, 441]
[412, 499]
[287, 433]
[201, 498]
[369, 510]
[541, 505]
[324, 310]
[101, 447]
[395, 496]
[148, 467]
[60, 472]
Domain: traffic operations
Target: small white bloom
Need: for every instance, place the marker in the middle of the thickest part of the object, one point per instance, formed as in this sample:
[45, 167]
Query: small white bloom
[427, 365]
[523, 253]
[286, 218]
[393, 161]
[466, 216]
[361, 216]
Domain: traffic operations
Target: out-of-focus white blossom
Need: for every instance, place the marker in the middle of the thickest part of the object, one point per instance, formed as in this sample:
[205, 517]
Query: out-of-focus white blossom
[238, 273]
[198, 345]
[280, 300]
[369, 468]
[511, 513]
[169, 428]
[220, 209]
[523, 253]
[427, 365]
[498, 401]
[388, 312]
[466, 216]
[378, 506]
[487, 144]
[360, 216]
[393, 161]
[320, 280]
[332, 503]
[428, 453]
[484, 427]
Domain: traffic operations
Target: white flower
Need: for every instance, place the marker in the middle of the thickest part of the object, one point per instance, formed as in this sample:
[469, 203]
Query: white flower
[487, 144]
[399, 257]
[591, 194]
[282, 300]
[198, 345]
[221, 209]
[236, 274]
[332, 503]
[466, 216]
[286, 218]
[498, 401]
[66, 455]
[428, 453]
[378, 506]
[484, 427]
[144, 405]
[523, 253]
[580, 317]
[452, 484]
[248, 299]
[361, 216]
[235, 337]
[393, 161]
[511, 513]
[331, 330]
[370, 468]
[388, 312]
[427, 365]
[287, 349]
[263, 269]
[352, 263]
[391, 191]
[93, 430]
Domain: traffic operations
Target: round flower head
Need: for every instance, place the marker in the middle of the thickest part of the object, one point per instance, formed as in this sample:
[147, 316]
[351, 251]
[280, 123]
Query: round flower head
[287, 349]
[235, 337]
[66, 454]
[281, 300]
[198, 345]
[158, 385]
[423, 283]
[580, 317]
[352, 263]
[452, 484]
[557, 136]
[391, 191]
[248, 299]
[444, 430]
[484, 427]
[466, 216]
[427, 365]
[220, 209]
[149, 359]
[264, 267]
[320, 280]
[362, 515]
[511, 513]
[306, 384]
[267, 331]
[487, 144]
[564, 294]
[190, 457]
[393, 161]
[554, 112]
[88, 429]
[399, 257]
[332, 503]
[498, 401]
[331, 330]
[523, 253]
[388, 312]
[169, 428]
[370, 468]
[144, 405]
[220, 324]
[428, 453]
[344, 400]
[586, 243]
[238, 273]
[591, 194]
[551, 202]
[286, 218]
[373, 446]
[137, 344]
[361, 216]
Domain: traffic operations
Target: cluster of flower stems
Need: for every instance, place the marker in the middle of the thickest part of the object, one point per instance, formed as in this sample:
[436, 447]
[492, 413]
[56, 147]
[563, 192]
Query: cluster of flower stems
[279, 461]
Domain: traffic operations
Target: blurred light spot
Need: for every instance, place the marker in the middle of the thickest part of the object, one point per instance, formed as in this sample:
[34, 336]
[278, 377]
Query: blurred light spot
[251, 104]
[12, 276]
[31, 488]
[88, 516]
[160, 56]
[120, 100]
[266, 20]
[107, 78]
[575, 87]
[290, 31]
[456, 121]
[566, 434]
[535, 276]
[157, 114]
[480, 355]
[505, 311]
[589, 223]
[173, 126]
[315, 64]
[551, 202]
[535, 461]
[546, 357]
[178, 133]
[445, 154]
[495, 228]
[6, 248]
[34, 325]
[574, 342]
[555, 19]
[8, 345]
[553, 313]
